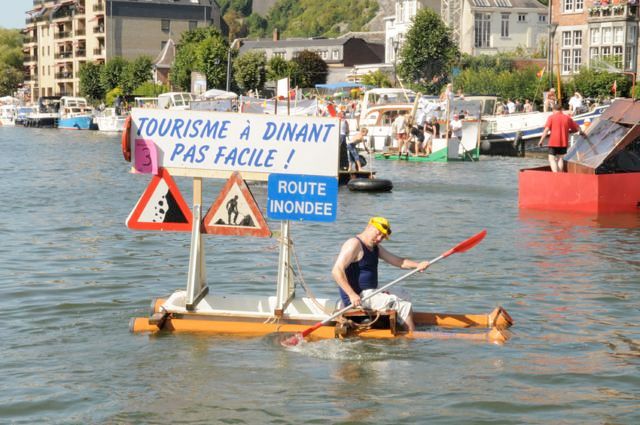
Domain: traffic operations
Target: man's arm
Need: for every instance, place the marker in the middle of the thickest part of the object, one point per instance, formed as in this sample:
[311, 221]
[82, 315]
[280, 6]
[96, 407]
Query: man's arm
[348, 254]
[544, 134]
[403, 263]
[575, 128]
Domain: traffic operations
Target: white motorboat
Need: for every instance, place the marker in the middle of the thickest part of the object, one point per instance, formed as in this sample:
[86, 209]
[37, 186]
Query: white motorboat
[175, 100]
[109, 120]
[8, 115]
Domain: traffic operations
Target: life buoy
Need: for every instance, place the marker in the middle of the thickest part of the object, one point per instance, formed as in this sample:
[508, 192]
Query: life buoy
[370, 185]
[126, 139]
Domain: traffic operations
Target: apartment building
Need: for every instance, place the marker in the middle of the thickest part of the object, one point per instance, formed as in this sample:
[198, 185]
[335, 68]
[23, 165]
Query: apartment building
[61, 35]
[585, 32]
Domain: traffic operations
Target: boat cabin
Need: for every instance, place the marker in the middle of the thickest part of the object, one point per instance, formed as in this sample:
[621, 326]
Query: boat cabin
[72, 106]
[385, 96]
[175, 100]
[49, 104]
[602, 170]
[146, 102]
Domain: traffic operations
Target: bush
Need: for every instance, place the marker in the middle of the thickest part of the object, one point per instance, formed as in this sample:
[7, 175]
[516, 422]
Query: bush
[112, 95]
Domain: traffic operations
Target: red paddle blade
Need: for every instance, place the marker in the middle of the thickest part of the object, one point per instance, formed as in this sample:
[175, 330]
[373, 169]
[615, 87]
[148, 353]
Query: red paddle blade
[466, 245]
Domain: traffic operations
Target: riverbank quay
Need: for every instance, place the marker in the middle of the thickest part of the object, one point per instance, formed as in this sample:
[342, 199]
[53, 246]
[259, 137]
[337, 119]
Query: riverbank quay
[73, 275]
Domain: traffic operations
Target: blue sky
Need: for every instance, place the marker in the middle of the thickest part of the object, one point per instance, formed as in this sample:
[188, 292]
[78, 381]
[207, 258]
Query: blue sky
[13, 13]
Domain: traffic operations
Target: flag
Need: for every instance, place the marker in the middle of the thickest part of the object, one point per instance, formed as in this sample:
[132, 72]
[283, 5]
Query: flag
[614, 87]
[540, 73]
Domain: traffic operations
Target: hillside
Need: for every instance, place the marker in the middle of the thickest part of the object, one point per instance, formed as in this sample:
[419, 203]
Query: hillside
[303, 18]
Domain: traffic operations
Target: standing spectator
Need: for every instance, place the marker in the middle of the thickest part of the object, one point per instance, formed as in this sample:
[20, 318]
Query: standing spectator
[344, 132]
[559, 126]
[456, 127]
[511, 107]
[354, 158]
[400, 131]
[519, 107]
[528, 106]
[551, 100]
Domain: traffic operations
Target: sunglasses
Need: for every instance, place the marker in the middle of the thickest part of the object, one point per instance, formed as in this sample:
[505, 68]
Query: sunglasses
[385, 227]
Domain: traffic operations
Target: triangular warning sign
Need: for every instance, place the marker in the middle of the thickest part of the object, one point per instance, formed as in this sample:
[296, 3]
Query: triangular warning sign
[161, 207]
[235, 212]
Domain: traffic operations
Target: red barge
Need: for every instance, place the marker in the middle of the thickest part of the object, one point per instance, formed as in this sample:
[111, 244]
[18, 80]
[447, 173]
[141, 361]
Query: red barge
[602, 170]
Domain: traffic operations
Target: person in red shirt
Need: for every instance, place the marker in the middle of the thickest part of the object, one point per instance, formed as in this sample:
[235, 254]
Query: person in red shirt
[559, 126]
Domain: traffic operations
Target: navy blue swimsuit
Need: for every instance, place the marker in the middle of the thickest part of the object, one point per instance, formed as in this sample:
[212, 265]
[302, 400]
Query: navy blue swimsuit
[362, 274]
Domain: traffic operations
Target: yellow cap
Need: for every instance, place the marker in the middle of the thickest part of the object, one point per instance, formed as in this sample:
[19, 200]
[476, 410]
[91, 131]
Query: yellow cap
[381, 224]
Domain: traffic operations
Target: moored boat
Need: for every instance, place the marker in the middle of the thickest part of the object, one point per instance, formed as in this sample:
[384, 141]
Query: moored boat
[175, 100]
[513, 134]
[46, 114]
[23, 114]
[108, 120]
[8, 114]
[75, 113]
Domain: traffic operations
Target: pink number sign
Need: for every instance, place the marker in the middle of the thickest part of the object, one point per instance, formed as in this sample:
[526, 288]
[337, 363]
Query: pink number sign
[146, 157]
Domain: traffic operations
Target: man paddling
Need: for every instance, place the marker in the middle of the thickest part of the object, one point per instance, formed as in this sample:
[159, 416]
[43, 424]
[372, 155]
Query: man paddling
[356, 271]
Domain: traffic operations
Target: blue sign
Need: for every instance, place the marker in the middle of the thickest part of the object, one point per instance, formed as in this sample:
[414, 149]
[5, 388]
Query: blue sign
[302, 197]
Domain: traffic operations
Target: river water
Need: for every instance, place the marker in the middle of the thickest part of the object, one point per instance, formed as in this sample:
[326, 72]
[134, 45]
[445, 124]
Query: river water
[72, 275]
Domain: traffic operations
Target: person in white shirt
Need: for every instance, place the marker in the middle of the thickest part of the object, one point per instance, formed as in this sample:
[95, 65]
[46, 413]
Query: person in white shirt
[456, 127]
[575, 104]
[400, 132]
[511, 106]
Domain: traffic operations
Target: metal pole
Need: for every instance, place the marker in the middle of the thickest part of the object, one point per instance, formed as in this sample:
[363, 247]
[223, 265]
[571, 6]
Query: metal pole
[228, 68]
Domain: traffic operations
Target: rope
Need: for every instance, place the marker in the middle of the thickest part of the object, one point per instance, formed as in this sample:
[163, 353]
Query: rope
[300, 278]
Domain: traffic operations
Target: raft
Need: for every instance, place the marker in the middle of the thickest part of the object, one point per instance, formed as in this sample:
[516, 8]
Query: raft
[253, 316]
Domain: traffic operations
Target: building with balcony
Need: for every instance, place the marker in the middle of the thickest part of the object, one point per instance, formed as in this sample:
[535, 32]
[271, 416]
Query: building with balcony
[479, 26]
[593, 33]
[61, 35]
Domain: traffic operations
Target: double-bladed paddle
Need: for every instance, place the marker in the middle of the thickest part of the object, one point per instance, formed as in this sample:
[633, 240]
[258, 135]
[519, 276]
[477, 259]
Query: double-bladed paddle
[461, 247]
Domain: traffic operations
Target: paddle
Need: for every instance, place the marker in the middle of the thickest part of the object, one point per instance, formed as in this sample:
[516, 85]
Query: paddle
[461, 247]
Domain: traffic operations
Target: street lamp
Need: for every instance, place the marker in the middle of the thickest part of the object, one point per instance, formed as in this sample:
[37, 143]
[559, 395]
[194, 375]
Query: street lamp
[395, 42]
[233, 45]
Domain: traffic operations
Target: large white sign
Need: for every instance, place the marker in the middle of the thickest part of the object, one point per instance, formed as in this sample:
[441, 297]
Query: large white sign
[219, 141]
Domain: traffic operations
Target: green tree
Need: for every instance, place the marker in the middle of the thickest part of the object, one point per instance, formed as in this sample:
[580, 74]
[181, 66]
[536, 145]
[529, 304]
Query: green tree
[241, 6]
[249, 71]
[112, 73]
[198, 34]
[10, 79]
[377, 79]
[235, 23]
[498, 63]
[137, 72]
[256, 25]
[517, 84]
[429, 51]
[278, 68]
[150, 89]
[310, 69]
[183, 64]
[211, 59]
[11, 70]
[598, 84]
[203, 50]
[90, 86]
[309, 18]
[11, 48]
[112, 94]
